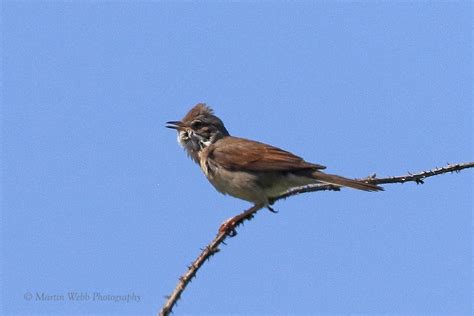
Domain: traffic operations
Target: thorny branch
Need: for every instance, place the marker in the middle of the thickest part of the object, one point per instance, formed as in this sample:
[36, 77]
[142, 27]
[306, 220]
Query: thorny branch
[213, 247]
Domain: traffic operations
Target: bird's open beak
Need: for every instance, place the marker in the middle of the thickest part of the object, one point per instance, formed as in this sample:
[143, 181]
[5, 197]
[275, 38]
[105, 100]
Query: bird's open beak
[175, 125]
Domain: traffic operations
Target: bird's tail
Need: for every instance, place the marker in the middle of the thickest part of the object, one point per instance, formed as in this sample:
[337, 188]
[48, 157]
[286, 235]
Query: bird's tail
[341, 181]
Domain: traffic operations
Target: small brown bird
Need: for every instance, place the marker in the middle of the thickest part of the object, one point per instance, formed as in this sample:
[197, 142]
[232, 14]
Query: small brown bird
[247, 169]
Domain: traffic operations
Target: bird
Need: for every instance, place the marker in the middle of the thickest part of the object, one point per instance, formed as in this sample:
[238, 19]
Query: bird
[246, 169]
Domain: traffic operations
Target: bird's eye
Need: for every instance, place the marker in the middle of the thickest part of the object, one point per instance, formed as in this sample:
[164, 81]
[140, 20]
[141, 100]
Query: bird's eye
[196, 124]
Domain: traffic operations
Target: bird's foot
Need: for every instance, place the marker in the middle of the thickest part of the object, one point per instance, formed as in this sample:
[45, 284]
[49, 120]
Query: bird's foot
[228, 226]
[271, 209]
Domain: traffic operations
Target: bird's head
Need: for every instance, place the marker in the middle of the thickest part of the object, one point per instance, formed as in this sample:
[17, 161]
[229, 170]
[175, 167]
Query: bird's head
[198, 129]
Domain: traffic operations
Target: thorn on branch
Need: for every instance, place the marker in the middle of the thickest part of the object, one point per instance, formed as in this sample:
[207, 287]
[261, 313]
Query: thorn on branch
[419, 181]
[213, 251]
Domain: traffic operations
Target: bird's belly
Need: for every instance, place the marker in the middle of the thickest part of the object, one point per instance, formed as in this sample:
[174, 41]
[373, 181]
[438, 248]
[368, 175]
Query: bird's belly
[239, 184]
[254, 187]
[275, 185]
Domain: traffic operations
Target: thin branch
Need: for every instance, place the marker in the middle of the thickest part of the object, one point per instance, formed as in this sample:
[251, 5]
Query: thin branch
[418, 178]
[213, 247]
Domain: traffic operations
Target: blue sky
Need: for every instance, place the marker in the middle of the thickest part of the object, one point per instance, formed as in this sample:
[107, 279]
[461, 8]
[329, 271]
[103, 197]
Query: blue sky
[97, 197]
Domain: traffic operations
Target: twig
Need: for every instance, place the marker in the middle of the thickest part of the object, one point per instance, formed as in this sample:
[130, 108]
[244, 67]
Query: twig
[213, 246]
[415, 177]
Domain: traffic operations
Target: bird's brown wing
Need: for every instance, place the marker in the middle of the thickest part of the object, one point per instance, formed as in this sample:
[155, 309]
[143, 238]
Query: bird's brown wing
[242, 154]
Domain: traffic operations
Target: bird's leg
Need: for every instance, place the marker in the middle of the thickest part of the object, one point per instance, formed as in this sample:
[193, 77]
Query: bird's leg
[229, 225]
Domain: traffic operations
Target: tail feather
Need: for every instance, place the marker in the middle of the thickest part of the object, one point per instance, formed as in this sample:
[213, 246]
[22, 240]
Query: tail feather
[338, 180]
